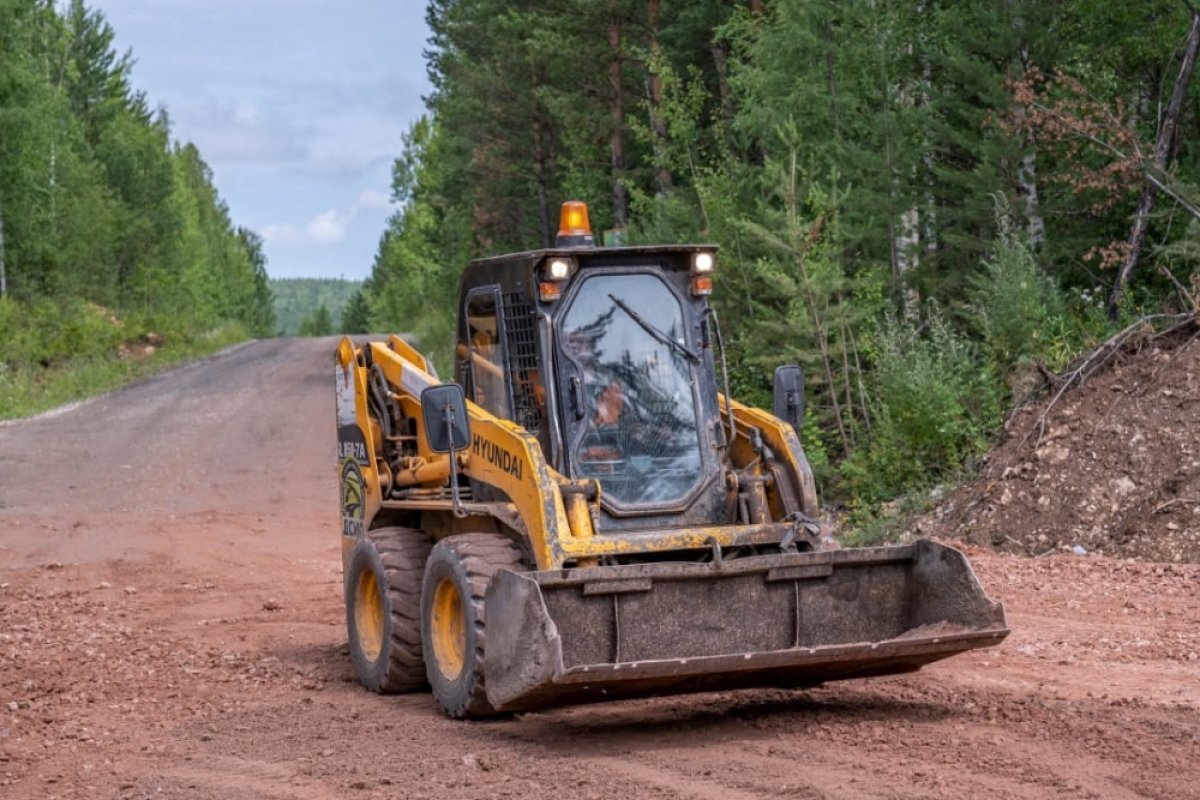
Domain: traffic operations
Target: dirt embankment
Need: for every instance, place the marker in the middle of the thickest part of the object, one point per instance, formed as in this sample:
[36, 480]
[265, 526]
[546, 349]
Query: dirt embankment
[1111, 467]
[171, 626]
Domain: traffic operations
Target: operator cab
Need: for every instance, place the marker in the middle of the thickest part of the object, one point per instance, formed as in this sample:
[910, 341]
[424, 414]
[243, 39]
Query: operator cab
[604, 354]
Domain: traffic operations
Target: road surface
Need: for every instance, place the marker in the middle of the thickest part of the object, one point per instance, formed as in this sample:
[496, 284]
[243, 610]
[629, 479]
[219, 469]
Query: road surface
[171, 626]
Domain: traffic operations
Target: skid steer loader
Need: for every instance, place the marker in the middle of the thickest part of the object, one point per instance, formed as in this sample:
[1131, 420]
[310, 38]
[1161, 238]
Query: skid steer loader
[585, 513]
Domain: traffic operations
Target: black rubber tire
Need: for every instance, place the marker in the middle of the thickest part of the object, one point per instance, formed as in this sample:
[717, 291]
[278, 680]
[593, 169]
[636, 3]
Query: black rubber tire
[395, 557]
[468, 560]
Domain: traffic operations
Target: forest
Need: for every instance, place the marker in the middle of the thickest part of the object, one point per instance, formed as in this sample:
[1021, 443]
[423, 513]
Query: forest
[316, 306]
[114, 242]
[931, 206]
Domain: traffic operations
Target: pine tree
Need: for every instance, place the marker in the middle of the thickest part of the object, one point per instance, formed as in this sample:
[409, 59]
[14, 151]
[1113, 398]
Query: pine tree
[356, 314]
[318, 324]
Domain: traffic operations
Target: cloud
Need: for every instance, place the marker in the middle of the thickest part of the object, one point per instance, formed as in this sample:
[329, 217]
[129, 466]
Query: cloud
[373, 200]
[329, 226]
[241, 132]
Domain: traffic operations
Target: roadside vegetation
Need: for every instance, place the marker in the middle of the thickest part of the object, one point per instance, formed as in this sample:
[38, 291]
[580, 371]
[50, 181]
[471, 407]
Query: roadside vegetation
[89, 350]
[931, 207]
[117, 254]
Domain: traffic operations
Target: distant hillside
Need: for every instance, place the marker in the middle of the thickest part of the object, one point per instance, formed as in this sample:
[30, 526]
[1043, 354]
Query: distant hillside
[299, 298]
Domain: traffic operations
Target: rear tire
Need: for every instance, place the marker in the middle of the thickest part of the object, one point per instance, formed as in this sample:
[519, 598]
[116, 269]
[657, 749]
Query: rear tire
[383, 603]
[457, 575]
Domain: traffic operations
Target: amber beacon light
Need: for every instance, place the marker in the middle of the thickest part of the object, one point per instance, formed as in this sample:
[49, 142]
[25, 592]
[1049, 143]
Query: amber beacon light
[574, 230]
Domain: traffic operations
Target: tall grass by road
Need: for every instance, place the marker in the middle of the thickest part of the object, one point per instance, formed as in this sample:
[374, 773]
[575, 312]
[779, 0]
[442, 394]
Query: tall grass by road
[53, 353]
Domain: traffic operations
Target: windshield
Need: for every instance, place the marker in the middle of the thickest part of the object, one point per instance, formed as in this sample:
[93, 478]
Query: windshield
[631, 390]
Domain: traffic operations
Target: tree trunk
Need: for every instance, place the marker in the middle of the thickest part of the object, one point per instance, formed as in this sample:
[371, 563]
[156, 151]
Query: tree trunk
[617, 110]
[832, 84]
[539, 162]
[657, 124]
[1162, 154]
[1027, 186]
[721, 62]
[1027, 176]
[3, 269]
[908, 258]
[929, 217]
[904, 226]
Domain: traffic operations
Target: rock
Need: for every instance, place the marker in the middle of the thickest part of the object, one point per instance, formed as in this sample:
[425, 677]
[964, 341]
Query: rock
[271, 605]
[14, 706]
[1079, 550]
[1053, 454]
[130, 590]
[1059, 432]
[1123, 486]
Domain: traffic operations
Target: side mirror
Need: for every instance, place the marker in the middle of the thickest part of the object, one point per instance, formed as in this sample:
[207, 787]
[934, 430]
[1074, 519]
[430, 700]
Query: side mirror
[444, 411]
[789, 396]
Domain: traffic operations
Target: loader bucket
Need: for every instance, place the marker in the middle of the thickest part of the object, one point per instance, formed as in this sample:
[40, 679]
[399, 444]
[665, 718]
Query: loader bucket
[787, 620]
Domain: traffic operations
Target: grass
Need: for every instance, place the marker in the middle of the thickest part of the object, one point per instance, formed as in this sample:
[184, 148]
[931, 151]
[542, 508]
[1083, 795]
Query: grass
[25, 391]
[887, 523]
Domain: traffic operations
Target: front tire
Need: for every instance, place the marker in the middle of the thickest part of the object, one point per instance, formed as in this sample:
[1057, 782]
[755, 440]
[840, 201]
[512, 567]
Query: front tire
[383, 595]
[457, 575]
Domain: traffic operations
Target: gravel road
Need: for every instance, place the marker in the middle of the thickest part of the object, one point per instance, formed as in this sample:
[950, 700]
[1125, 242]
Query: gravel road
[171, 626]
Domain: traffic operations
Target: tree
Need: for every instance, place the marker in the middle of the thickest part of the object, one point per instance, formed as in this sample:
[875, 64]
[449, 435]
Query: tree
[259, 313]
[318, 324]
[356, 316]
[97, 204]
[1164, 147]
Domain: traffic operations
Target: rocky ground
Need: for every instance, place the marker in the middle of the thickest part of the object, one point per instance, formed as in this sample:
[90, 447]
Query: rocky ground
[171, 626]
[1111, 467]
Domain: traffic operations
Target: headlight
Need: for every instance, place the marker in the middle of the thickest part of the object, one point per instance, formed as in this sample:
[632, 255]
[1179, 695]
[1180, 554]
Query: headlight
[559, 269]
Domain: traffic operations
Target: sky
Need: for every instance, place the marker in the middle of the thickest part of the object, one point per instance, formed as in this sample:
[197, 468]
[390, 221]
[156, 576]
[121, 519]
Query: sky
[298, 106]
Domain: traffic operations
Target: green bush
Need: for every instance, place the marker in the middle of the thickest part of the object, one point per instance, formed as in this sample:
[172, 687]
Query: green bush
[1019, 308]
[46, 332]
[55, 352]
[935, 401]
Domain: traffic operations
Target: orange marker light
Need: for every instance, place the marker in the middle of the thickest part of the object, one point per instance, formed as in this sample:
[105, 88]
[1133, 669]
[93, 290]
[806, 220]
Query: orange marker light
[701, 285]
[548, 291]
[573, 220]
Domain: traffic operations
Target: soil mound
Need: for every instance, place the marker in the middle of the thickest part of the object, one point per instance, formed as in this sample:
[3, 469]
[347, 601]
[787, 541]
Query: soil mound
[1111, 465]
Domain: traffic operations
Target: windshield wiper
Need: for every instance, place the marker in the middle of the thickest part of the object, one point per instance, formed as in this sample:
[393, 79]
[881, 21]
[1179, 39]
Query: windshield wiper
[655, 332]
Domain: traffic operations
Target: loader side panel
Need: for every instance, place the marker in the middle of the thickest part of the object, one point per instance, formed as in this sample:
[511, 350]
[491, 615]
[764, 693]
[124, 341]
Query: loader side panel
[358, 479]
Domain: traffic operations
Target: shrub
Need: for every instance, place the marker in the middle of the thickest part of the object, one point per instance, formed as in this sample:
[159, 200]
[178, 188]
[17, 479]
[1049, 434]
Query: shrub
[1020, 309]
[935, 401]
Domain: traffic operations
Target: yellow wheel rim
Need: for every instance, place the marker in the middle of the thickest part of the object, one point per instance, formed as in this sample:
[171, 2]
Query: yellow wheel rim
[368, 615]
[449, 629]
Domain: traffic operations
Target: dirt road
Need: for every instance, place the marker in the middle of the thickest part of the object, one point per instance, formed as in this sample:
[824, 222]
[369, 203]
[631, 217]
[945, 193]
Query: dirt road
[171, 626]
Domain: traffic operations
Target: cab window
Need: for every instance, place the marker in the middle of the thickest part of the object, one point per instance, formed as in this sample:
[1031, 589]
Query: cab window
[630, 388]
[487, 353]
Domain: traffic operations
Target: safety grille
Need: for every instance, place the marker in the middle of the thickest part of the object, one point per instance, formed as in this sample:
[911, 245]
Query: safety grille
[523, 364]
